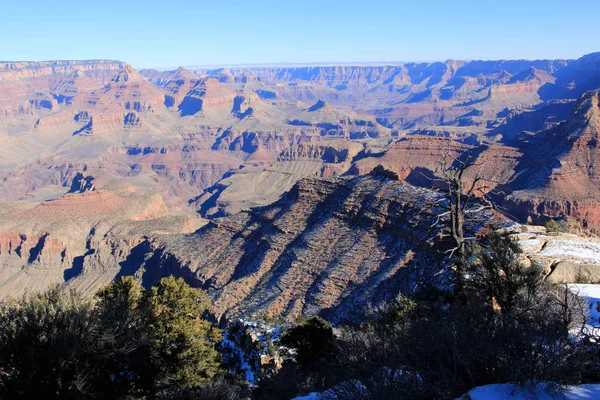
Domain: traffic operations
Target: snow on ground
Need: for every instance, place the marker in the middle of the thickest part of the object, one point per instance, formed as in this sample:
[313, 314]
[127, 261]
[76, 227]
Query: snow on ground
[589, 251]
[310, 396]
[592, 292]
[259, 331]
[530, 242]
[240, 354]
[530, 245]
[505, 391]
[508, 391]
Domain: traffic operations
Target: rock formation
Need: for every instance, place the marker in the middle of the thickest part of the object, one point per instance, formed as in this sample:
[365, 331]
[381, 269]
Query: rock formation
[328, 247]
[83, 239]
[106, 171]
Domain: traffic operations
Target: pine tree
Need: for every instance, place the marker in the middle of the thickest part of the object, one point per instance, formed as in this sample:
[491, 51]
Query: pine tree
[182, 343]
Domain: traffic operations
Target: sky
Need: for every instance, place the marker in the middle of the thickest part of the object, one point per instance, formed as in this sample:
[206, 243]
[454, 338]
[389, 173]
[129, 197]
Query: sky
[165, 34]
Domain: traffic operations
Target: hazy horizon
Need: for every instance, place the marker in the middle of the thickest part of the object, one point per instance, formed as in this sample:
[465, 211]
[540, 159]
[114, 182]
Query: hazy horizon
[294, 64]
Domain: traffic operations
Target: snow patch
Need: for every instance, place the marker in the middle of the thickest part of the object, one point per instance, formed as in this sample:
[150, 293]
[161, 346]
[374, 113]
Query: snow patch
[241, 355]
[530, 242]
[589, 251]
[592, 292]
[530, 245]
[504, 391]
[310, 396]
[539, 392]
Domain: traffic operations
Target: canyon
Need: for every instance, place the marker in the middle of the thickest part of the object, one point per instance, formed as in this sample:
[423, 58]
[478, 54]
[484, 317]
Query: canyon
[280, 190]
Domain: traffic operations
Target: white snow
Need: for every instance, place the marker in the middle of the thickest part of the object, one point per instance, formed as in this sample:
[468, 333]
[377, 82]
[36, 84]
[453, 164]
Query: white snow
[592, 292]
[530, 242]
[530, 245]
[261, 333]
[508, 391]
[244, 365]
[310, 396]
[589, 251]
[588, 290]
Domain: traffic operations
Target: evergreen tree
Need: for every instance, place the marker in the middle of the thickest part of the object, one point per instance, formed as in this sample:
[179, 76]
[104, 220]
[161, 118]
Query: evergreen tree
[44, 342]
[130, 343]
[182, 344]
[121, 349]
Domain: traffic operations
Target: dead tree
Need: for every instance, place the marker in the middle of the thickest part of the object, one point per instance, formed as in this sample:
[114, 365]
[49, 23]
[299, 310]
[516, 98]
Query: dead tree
[464, 199]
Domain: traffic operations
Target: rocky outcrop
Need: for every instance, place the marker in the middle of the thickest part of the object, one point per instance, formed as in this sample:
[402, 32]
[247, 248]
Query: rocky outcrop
[557, 174]
[81, 183]
[207, 93]
[328, 247]
[565, 257]
[331, 152]
[550, 174]
[83, 240]
[132, 120]
[534, 121]
[259, 186]
[131, 91]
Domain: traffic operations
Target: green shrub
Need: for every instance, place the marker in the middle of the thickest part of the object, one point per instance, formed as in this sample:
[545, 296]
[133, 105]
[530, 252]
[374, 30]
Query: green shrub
[45, 344]
[181, 343]
[553, 226]
[130, 343]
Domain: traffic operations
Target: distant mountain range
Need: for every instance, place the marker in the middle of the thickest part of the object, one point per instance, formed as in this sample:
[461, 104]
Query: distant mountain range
[101, 164]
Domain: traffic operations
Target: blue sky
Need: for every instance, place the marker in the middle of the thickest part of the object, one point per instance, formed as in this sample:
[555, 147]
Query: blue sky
[172, 33]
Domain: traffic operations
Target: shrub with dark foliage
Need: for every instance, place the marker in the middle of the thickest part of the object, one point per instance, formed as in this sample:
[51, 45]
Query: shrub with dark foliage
[131, 342]
[305, 349]
[508, 325]
[45, 345]
[311, 340]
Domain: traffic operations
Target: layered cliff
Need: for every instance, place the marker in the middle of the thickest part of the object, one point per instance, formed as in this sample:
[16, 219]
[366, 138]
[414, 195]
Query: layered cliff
[558, 174]
[413, 73]
[134, 156]
[259, 186]
[536, 177]
[328, 247]
[422, 95]
[83, 239]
